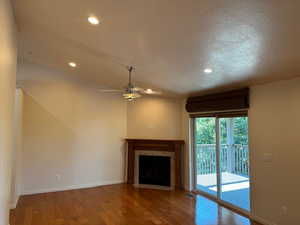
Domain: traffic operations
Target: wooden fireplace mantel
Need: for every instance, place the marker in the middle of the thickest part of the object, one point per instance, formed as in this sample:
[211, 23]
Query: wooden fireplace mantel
[175, 146]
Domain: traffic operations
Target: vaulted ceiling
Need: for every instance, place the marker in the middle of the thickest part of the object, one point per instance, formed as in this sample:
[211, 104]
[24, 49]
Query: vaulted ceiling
[170, 42]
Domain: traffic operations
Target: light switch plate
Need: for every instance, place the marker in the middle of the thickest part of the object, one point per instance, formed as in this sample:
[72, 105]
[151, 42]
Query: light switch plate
[268, 157]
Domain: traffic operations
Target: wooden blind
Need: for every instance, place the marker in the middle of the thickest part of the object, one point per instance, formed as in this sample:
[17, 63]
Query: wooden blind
[221, 114]
[230, 100]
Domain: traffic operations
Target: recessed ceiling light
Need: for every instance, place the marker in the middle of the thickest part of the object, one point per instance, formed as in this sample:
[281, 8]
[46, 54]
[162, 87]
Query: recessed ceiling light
[72, 64]
[208, 70]
[149, 91]
[93, 20]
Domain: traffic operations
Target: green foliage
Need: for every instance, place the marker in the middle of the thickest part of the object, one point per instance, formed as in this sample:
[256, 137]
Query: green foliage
[240, 130]
[205, 130]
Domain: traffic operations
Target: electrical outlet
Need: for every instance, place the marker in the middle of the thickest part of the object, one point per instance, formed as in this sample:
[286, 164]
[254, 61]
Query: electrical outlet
[284, 210]
[58, 177]
[268, 157]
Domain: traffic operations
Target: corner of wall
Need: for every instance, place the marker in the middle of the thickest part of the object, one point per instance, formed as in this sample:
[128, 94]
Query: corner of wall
[14, 203]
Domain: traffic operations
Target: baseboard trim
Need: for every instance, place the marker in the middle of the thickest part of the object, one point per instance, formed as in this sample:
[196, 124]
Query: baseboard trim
[71, 187]
[261, 220]
[14, 204]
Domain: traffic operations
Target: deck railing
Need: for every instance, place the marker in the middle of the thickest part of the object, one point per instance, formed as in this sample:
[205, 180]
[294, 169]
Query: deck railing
[234, 159]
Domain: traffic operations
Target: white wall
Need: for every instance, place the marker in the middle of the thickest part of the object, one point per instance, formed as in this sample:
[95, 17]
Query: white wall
[155, 118]
[73, 136]
[7, 92]
[274, 128]
[18, 146]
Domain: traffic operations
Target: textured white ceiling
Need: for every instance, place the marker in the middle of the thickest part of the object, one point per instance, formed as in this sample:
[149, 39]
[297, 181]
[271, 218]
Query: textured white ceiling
[169, 42]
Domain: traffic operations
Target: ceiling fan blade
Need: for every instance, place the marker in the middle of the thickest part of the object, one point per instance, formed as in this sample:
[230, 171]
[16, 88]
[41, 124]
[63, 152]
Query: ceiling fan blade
[110, 91]
[146, 91]
[138, 89]
[150, 92]
[155, 93]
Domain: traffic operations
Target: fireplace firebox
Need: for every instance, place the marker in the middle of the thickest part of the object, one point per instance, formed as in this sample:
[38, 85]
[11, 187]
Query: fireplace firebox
[155, 170]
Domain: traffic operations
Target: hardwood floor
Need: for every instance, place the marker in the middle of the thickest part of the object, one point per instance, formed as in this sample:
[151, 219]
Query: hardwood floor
[121, 205]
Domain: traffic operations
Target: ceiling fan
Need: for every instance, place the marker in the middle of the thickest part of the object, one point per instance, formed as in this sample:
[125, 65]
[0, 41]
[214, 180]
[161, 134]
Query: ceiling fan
[131, 91]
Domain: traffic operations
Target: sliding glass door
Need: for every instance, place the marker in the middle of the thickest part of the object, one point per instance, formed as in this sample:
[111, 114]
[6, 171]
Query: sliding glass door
[222, 159]
[206, 154]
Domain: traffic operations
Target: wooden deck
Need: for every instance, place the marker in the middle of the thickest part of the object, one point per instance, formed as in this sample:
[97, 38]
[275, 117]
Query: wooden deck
[209, 180]
[121, 205]
[235, 188]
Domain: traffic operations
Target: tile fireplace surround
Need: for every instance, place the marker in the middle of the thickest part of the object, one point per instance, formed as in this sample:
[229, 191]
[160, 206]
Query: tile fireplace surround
[170, 155]
[173, 148]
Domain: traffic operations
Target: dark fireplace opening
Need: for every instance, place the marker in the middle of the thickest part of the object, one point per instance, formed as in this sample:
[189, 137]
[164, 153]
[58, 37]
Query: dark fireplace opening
[155, 170]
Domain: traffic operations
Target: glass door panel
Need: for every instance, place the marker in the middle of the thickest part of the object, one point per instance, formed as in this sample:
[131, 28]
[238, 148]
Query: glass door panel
[205, 154]
[234, 161]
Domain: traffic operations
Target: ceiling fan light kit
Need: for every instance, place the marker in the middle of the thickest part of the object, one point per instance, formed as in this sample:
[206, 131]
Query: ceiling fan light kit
[131, 96]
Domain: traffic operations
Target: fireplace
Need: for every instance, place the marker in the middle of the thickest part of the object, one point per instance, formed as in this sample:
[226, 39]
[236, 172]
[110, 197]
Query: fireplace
[155, 163]
[154, 169]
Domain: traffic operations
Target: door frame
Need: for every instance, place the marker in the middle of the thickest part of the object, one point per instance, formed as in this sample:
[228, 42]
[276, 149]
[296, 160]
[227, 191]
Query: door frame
[194, 169]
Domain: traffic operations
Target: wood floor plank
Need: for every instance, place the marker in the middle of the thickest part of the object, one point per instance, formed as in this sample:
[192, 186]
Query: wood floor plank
[121, 205]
